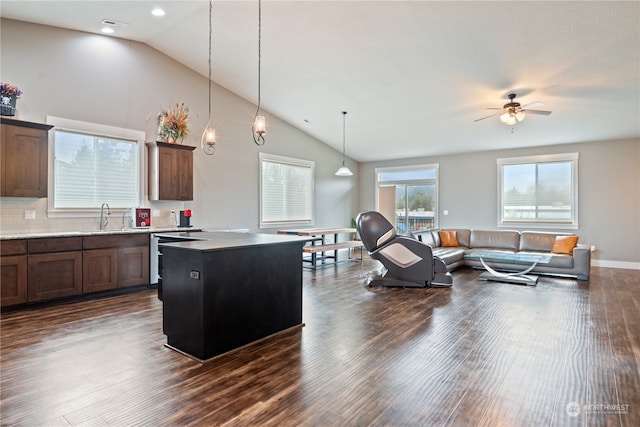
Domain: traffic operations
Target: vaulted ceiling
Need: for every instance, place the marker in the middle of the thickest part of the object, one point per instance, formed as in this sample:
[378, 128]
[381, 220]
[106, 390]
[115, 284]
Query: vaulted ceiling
[413, 75]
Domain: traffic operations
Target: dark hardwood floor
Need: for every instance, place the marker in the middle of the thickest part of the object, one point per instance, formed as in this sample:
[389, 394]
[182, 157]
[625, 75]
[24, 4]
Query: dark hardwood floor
[479, 354]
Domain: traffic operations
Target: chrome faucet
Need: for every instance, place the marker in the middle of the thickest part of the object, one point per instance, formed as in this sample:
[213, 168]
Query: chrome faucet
[103, 219]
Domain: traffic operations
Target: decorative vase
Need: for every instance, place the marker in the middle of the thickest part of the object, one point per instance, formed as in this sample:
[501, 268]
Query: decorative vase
[8, 105]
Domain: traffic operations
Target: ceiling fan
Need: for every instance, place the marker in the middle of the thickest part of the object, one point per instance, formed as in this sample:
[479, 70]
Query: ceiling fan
[513, 112]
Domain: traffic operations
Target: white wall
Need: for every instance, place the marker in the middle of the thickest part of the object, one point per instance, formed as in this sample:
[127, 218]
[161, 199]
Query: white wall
[609, 193]
[121, 83]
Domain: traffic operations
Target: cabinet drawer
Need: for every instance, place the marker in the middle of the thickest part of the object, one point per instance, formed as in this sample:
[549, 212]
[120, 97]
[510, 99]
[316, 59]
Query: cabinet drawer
[116, 241]
[54, 244]
[13, 247]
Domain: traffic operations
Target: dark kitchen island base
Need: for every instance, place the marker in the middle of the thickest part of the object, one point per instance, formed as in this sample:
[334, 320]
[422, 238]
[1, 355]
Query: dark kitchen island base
[230, 290]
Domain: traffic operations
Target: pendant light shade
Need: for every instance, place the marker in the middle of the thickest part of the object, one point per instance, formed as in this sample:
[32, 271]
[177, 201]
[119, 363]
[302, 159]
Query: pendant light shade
[208, 139]
[259, 128]
[343, 171]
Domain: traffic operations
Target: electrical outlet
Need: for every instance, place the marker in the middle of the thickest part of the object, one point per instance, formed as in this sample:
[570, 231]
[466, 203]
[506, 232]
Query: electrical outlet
[29, 214]
[155, 212]
[593, 248]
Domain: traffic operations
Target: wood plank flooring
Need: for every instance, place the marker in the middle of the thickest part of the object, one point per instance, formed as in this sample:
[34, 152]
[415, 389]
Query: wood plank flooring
[479, 354]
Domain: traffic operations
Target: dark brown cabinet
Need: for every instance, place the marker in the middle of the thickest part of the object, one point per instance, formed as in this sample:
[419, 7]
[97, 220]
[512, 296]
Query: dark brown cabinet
[41, 269]
[13, 272]
[54, 268]
[170, 171]
[99, 270]
[115, 261]
[24, 158]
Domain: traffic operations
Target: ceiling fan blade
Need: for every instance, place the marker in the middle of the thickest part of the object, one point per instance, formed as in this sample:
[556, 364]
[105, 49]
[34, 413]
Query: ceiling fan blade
[540, 112]
[486, 117]
[494, 108]
[533, 104]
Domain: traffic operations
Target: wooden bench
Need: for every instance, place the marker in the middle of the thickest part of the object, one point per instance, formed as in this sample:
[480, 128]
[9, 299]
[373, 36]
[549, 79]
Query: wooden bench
[328, 247]
[314, 250]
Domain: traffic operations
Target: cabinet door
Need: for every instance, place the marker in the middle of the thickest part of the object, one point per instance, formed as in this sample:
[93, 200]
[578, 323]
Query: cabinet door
[54, 275]
[99, 270]
[24, 161]
[184, 163]
[133, 266]
[13, 280]
[167, 174]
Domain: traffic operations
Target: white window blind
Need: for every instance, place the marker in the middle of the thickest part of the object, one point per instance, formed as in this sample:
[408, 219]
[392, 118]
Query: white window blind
[91, 168]
[286, 190]
[538, 190]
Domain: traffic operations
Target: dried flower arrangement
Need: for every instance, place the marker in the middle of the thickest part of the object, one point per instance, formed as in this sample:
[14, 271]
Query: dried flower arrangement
[173, 123]
[10, 90]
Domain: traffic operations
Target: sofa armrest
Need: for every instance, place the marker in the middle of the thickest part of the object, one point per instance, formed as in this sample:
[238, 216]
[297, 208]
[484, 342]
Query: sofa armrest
[582, 260]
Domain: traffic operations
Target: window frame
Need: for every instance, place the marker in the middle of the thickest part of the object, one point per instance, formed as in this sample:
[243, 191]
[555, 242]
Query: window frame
[272, 158]
[94, 129]
[572, 158]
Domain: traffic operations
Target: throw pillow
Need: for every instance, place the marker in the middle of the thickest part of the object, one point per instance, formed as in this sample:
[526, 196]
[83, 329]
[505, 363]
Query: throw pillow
[448, 238]
[564, 244]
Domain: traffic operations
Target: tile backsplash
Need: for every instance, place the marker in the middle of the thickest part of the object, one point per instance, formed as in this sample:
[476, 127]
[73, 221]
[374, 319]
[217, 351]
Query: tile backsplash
[13, 211]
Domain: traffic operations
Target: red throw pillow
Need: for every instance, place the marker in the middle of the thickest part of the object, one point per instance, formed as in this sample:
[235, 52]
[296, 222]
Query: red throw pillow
[564, 244]
[448, 238]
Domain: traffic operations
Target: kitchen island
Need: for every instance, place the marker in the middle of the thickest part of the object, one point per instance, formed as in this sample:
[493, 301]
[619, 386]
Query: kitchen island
[230, 290]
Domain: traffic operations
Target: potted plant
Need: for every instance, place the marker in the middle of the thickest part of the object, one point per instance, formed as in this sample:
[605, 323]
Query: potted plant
[8, 96]
[173, 124]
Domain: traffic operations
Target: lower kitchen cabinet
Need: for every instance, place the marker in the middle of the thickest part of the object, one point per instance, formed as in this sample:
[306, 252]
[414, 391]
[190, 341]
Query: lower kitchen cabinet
[13, 280]
[115, 261]
[40, 269]
[13, 272]
[54, 275]
[99, 270]
[133, 266]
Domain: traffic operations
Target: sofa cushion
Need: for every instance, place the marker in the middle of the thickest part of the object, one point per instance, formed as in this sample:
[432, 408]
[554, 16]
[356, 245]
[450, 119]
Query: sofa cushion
[499, 239]
[537, 241]
[463, 235]
[449, 255]
[428, 237]
[448, 238]
[564, 244]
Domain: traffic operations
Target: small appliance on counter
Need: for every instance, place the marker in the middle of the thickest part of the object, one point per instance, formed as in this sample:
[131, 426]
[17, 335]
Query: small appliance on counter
[142, 218]
[185, 218]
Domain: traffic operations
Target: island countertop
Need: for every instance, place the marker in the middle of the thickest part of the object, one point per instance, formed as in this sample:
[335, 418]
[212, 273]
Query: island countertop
[222, 240]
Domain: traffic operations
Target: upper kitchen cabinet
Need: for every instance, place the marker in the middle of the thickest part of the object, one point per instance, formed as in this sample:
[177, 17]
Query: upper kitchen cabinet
[170, 171]
[25, 147]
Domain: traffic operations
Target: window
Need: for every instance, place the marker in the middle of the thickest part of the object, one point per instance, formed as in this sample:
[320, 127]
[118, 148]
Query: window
[286, 191]
[94, 164]
[541, 190]
[408, 196]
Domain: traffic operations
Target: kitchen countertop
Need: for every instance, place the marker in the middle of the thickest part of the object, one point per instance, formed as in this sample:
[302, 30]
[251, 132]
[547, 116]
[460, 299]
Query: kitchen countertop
[37, 234]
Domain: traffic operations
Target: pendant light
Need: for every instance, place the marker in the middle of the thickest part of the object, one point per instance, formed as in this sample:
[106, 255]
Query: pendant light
[208, 139]
[343, 171]
[259, 128]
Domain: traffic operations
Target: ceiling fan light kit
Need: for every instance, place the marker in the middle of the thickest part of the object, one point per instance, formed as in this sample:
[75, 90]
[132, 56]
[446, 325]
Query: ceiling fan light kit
[512, 112]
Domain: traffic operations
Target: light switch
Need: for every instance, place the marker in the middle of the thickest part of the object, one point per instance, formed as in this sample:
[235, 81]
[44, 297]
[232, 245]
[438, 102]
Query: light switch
[445, 212]
[29, 214]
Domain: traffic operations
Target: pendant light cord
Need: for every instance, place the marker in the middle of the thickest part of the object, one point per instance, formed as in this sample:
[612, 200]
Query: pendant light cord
[210, 32]
[259, 140]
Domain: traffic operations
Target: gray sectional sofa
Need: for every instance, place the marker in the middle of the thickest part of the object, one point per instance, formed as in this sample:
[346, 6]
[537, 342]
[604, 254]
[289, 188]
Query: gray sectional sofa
[575, 265]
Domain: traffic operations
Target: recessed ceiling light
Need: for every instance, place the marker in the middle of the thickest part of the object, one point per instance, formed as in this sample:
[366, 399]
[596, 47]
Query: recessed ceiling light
[157, 12]
[107, 30]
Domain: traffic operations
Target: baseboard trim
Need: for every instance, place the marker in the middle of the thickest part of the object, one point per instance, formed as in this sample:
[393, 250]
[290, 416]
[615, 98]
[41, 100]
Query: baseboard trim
[615, 264]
